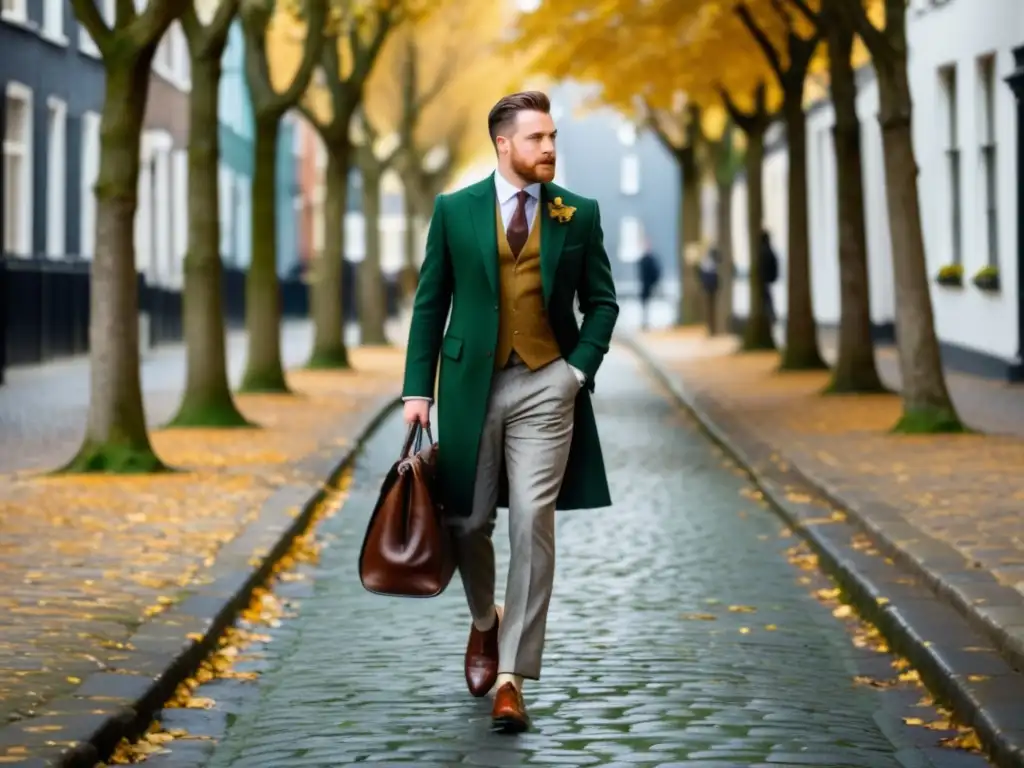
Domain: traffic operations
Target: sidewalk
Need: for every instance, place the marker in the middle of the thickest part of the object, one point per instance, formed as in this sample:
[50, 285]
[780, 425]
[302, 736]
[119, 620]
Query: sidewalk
[950, 504]
[89, 562]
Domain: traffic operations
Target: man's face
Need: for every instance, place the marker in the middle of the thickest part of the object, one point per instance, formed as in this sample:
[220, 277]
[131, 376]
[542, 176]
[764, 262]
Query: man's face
[531, 148]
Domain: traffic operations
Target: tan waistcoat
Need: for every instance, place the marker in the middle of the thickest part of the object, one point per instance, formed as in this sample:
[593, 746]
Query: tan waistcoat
[522, 321]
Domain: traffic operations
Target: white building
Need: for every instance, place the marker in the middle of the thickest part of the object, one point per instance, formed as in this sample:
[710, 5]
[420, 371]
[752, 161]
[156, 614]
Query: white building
[965, 132]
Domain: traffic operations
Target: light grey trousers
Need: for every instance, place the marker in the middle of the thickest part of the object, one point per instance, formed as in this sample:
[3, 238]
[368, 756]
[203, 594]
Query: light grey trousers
[530, 421]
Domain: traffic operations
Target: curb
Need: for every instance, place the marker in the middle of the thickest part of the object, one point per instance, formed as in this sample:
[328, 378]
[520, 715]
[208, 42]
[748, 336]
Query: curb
[82, 728]
[959, 661]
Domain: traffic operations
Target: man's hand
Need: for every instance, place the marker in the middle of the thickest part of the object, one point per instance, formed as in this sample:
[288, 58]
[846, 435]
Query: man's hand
[417, 411]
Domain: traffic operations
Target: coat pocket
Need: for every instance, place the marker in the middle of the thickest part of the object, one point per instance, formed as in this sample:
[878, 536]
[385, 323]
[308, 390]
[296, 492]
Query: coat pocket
[452, 347]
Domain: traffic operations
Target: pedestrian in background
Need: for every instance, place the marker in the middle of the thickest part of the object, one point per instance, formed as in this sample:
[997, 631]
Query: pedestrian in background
[649, 269]
[708, 271]
[769, 274]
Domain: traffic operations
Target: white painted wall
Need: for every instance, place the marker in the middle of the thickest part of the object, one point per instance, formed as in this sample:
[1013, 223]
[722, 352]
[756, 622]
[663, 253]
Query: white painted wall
[953, 33]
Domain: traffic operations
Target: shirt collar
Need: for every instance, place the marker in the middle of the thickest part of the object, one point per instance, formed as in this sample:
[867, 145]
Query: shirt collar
[507, 191]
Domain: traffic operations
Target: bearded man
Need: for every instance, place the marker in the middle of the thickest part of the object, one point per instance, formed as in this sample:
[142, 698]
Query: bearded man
[507, 256]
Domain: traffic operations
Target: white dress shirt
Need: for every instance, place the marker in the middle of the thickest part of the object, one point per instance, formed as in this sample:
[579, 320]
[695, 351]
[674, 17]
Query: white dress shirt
[506, 193]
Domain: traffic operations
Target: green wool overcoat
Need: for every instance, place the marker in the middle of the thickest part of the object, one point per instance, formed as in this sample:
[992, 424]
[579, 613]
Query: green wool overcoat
[460, 274]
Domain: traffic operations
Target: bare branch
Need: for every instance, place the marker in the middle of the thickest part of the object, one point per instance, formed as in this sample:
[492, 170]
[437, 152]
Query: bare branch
[124, 13]
[762, 39]
[874, 38]
[206, 41]
[313, 45]
[365, 56]
[221, 22]
[147, 29]
[89, 17]
[805, 10]
[783, 14]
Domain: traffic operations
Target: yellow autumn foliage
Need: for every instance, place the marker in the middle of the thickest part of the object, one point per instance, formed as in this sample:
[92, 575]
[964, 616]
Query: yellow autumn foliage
[664, 54]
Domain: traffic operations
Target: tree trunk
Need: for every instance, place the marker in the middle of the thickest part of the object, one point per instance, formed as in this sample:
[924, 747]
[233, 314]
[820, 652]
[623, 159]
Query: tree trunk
[801, 349]
[927, 406]
[264, 372]
[207, 401]
[116, 439]
[329, 349]
[691, 297]
[372, 299]
[723, 213]
[855, 369]
[757, 334]
[410, 273]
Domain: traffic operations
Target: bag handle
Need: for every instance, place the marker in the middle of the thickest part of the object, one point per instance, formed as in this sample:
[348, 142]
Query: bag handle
[414, 440]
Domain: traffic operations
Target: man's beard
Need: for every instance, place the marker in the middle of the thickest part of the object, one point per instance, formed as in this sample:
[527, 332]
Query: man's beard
[535, 173]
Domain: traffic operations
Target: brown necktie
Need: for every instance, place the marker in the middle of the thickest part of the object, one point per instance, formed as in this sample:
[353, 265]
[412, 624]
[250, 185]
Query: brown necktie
[518, 230]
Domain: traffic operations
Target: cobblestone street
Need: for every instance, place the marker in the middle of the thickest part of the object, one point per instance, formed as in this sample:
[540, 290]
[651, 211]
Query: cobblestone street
[680, 634]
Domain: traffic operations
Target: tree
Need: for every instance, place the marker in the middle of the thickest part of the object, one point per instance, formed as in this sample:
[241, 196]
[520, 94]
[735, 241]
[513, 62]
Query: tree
[679, 132]
[790, 65]
[435, 78]
[757, 334]
[855, 369]
[116, 439]
[264, 372]
[725, 162]
[927, 406]
[371, 302]
[329, 106]
[664, 55]
[207, 401]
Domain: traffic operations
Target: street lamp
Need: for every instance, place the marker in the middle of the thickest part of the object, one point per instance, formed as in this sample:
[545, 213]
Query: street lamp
[1016, 82]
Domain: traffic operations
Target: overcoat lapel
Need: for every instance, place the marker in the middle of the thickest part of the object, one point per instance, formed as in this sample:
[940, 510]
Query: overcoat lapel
[482, 203]
[552, 237]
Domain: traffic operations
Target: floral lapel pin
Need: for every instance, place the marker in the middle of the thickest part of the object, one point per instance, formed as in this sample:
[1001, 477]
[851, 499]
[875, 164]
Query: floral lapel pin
[558, 210]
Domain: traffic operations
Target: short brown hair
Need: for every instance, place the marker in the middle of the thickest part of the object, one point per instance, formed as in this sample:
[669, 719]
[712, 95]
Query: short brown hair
[503, 114]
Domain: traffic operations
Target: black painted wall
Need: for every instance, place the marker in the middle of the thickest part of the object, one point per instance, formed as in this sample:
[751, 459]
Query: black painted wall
[51, 69]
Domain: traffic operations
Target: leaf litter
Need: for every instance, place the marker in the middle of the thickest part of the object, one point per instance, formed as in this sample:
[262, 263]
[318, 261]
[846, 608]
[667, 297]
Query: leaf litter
[264, 610]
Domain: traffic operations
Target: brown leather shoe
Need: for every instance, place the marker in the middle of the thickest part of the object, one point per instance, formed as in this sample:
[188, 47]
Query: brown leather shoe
[482, 659]
[509, 713]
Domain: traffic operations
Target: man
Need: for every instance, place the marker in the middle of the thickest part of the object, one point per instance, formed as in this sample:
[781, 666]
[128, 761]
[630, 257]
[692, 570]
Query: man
[507, 256]
[708, 271]
[649, 268]
[769, 274]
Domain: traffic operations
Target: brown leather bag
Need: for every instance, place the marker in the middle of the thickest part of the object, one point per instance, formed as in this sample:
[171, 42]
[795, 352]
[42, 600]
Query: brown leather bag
[407, 551]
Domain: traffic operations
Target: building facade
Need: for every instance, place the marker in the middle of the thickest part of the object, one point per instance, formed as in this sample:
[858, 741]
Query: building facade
[161, 221]
[53, 95]
[965, 131]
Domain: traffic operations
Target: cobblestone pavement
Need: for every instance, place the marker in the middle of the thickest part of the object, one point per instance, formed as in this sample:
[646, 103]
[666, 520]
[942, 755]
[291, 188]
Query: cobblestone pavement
[679, 635]
[85, 560]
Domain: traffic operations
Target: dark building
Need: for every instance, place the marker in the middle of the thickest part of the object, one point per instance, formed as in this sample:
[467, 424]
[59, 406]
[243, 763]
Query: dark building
[53, 87]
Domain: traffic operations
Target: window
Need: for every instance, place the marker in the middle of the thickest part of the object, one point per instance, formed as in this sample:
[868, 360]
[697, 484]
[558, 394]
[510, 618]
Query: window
[179, 202]
[629, 183]
[90, 172]
[226, 191]
[987, 88]
[14, 10]
[627, 134]
[243, 221]
[85, 42]
[56, 178]
[630, 239]
[947, 81]
[53, 20]
[18, 170]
